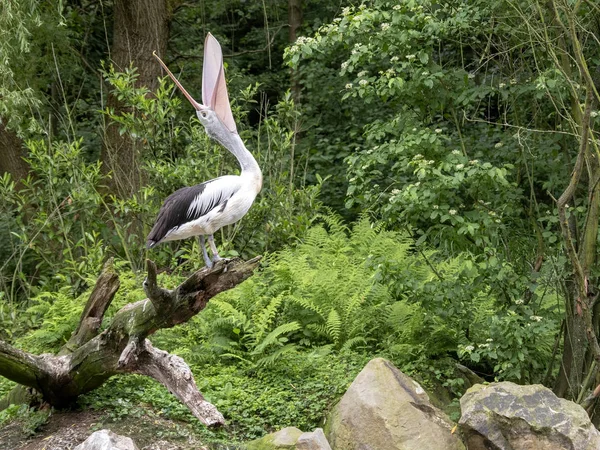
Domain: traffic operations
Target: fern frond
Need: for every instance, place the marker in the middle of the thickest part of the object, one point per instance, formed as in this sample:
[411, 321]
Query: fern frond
[321, 351]
[238, 357]
[222, 322]
[334, 222]
[353, 342]
[333, 325]
[355, 302]
[319, 328]
[269, 360]
[229, 311]
[272, 337]
[308, 304]
[399, 314]
[263, 320]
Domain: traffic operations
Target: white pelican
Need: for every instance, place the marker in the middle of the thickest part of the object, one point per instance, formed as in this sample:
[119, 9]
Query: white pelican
[203, 209]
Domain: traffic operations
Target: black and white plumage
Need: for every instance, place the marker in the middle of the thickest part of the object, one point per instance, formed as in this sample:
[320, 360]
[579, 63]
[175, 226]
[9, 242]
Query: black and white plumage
[202, 209]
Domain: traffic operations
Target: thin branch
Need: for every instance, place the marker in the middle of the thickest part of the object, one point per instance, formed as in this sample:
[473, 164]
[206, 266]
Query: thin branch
[518, 127]
[235, 54]
[568, 194]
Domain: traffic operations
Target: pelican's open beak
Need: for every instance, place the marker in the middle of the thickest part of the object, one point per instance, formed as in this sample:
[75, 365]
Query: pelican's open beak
[195, 104]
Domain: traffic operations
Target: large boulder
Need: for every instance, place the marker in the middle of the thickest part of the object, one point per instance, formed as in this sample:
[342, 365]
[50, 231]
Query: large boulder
[507, 416]
[106, 440]
[283, 439]
[384, 409]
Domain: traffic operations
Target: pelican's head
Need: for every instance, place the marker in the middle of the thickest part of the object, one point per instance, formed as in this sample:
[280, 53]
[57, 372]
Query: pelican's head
[208, 117]
[213, 125]
[215, 112]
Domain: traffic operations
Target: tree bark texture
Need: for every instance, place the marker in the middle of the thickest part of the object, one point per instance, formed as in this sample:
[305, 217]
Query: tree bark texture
[294, 18]
[295, 22]
[90, 358]
[140, 28]
[12, 154]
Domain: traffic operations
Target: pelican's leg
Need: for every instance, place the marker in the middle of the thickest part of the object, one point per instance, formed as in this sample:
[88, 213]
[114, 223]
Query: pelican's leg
[213, 248]
[207, 260]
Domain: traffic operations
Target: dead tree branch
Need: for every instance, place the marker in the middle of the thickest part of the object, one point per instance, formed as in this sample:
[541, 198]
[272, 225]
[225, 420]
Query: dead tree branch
[90, 358]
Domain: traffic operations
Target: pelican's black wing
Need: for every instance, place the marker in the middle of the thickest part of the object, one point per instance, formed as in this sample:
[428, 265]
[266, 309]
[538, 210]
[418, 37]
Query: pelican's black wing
[190, 203]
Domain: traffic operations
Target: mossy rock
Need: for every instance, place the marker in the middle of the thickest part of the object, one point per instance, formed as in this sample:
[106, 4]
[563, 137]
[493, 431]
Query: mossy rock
[508, 415]
[282, 439]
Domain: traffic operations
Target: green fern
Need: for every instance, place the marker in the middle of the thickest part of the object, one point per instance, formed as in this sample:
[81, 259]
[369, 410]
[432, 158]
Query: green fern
[351, 343]
[343, 288]
[334, 325]
[273, 336]
[264, 319]
[272, 358]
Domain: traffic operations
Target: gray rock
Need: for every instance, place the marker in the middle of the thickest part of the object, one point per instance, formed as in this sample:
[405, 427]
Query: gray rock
[315, 440]
[507, 416]
[283, 439]
[384, 409]
[106, 440]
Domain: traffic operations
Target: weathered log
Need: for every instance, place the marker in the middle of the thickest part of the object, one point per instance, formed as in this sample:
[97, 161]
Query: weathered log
[90, 358]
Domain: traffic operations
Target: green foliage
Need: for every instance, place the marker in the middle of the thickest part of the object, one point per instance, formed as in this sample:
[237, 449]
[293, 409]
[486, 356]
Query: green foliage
[452, 122]
[518, 343]
[439, 132]
[320, 293]
[52, 316]
[30, 419]
[368, 289]
[297, 392]
[181, 154]
[60, 225]
[453, 125]
[54, 222]
[280, 348]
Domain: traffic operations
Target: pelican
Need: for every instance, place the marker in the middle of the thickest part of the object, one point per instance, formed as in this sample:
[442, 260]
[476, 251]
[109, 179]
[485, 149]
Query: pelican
[202, 209]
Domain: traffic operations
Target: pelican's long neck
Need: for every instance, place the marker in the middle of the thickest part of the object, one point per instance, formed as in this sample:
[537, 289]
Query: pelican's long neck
[233, 143]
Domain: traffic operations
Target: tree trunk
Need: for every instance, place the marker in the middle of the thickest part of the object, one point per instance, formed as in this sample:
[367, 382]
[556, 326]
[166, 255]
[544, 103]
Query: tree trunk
[572, 369]
[140, 28]
[90, 358]
[295, 22]
[11, 155]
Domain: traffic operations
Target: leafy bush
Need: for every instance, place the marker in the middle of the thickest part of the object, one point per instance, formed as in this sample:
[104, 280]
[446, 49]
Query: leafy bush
[439, 134]
[517, 343]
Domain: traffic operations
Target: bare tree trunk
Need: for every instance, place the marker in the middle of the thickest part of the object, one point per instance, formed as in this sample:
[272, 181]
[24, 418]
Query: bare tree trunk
[90, 358]
[140, 27]
[12, 154]
[295, 22]
[572, 367]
